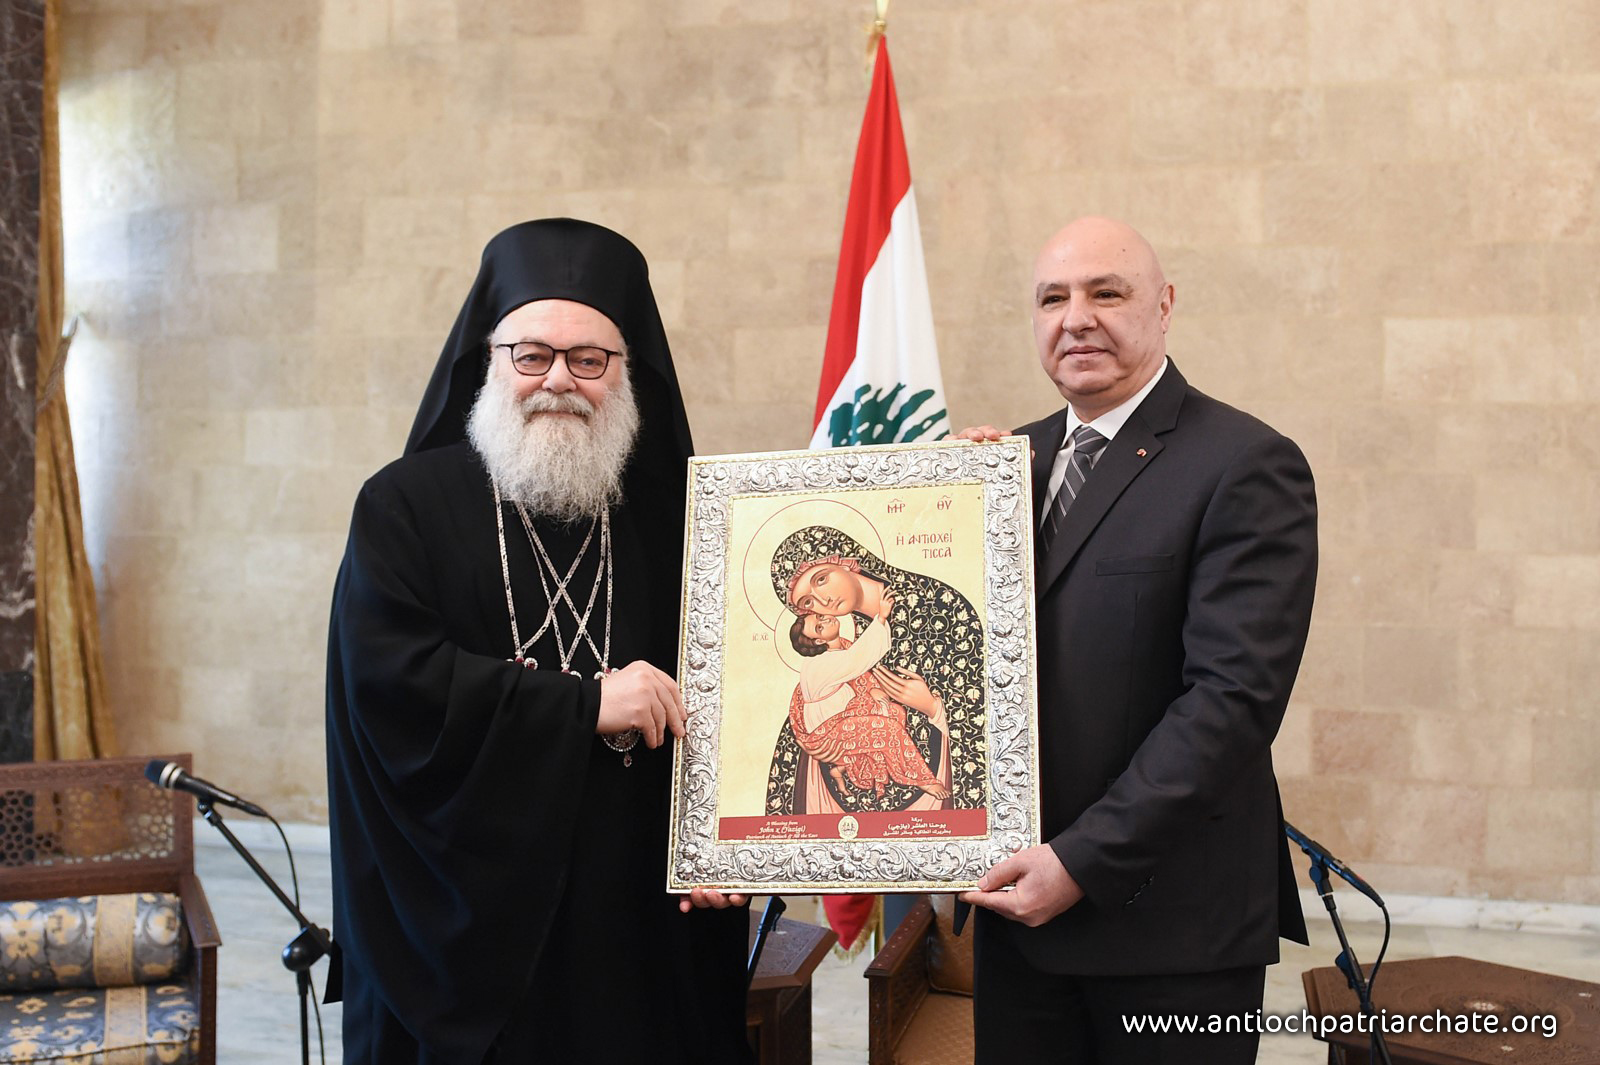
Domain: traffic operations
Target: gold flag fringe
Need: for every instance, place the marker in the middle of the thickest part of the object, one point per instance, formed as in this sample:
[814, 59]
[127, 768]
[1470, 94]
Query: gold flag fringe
[871, 932]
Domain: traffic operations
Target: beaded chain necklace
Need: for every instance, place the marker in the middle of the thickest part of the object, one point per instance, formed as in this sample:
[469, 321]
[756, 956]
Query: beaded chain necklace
[550, 577]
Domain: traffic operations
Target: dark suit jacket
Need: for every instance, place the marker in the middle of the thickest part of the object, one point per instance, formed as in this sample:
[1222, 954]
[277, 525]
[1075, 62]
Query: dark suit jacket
[1173, 608]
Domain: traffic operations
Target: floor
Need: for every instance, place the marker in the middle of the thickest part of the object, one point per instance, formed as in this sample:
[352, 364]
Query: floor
[258, 1017]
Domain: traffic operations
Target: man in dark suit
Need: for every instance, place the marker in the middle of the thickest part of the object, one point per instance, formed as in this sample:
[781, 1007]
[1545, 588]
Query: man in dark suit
[1176, 561]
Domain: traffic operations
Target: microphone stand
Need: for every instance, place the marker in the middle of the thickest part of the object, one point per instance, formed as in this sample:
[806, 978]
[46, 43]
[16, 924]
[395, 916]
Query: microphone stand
[304, 950]
[769, 919]
[1346, 961]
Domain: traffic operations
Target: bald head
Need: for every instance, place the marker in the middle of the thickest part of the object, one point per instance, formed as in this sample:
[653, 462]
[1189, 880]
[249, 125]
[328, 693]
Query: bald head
[1100, 313]
[1104, 239]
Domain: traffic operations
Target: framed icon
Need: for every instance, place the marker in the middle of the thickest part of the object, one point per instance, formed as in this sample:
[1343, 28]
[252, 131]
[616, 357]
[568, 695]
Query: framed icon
[856, 655]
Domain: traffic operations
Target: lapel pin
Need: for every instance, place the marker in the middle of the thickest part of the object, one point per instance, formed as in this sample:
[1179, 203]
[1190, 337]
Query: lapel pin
[1141, 452]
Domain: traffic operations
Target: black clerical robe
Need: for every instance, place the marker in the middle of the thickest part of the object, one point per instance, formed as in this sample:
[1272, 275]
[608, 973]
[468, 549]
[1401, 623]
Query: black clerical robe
[498, 871]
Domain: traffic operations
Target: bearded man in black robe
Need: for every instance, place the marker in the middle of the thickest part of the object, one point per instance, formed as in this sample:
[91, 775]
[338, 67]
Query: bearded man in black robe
[501, 708]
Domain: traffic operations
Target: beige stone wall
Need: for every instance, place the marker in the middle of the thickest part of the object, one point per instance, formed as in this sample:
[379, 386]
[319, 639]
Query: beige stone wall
[1382, 220]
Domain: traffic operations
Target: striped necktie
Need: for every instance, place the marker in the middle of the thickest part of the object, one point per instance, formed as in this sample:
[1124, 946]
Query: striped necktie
[1086, 448]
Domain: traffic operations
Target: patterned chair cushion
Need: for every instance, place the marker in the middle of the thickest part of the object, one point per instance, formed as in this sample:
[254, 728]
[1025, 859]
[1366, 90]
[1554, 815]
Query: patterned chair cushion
[94, 941]
[940, 1033]
[147, 1024]
[949, 955]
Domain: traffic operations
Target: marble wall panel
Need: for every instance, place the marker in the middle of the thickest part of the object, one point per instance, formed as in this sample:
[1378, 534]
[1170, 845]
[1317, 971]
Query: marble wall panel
[21, 102]
[16, 715]
[1381, 221]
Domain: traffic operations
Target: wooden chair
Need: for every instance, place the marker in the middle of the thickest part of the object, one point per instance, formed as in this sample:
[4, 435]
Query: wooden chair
[919, 996]
[107, 943]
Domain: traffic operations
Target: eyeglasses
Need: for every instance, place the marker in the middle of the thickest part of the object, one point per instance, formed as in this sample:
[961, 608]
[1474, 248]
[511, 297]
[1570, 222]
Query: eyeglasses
[585, 362]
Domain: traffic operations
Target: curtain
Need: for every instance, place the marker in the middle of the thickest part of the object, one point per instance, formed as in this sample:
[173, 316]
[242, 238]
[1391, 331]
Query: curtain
[70, 715]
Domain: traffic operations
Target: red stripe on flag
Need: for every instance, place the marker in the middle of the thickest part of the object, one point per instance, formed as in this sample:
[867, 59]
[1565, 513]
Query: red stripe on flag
[881, 178]
[848, 915]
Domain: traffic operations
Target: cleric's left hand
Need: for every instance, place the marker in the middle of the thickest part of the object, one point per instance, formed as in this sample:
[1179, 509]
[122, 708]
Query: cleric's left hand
[1044, 889]
[706, 899]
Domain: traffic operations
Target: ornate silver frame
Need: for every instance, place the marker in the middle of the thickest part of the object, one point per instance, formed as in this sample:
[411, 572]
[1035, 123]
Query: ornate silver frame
[696, 855]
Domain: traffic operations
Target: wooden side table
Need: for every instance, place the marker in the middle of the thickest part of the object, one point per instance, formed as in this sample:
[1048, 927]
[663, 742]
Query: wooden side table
[1463, 987]
[778, 1007]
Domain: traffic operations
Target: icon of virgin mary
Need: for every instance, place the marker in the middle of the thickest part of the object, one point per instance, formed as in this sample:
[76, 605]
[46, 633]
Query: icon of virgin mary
[905, 733]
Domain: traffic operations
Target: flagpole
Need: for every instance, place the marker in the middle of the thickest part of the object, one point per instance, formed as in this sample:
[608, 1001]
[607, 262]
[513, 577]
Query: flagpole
[876, 31]
[880, 381]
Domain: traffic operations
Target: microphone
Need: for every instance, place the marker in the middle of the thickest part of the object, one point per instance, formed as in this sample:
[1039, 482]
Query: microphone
[170, 775]
[1320, 854]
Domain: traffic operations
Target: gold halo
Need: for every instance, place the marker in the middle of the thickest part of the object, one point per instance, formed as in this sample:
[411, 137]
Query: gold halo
[756, 565]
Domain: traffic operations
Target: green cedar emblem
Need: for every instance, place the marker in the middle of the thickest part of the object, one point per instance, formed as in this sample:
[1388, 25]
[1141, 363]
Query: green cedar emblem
[874, 421]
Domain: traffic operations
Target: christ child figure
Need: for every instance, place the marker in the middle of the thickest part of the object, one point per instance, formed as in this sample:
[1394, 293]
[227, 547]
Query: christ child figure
[842, 716]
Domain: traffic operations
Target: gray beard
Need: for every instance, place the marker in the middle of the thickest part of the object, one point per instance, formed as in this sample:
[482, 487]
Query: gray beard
[560, 468]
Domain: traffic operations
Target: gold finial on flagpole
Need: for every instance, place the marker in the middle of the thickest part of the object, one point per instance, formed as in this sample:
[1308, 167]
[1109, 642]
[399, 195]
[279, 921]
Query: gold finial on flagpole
[877, 30]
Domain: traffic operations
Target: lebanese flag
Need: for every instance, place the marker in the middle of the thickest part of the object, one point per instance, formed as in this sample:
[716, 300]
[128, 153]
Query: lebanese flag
[880, 370]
